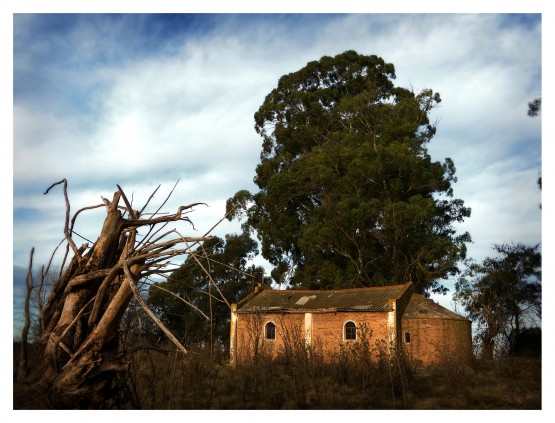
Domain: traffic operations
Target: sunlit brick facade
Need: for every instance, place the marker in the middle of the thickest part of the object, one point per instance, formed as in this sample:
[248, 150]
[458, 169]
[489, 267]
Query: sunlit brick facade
[392, 318]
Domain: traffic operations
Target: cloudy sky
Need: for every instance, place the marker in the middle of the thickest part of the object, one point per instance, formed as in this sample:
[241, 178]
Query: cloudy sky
[147, 100]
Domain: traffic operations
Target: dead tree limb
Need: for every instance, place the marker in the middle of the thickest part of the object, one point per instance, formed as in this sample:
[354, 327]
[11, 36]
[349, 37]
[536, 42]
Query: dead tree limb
[131, 282]
[78, 340]
[194, 307]
[25, 332]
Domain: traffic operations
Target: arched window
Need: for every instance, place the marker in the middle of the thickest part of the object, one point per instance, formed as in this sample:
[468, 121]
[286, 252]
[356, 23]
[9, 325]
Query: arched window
[270, 330]
[350, 331]
[407, 337]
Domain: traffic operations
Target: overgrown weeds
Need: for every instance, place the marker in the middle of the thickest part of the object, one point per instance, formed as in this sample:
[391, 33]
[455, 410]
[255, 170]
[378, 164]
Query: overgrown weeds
[361, 376]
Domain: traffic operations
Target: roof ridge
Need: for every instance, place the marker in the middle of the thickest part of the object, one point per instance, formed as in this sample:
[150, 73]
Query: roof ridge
[364, 288]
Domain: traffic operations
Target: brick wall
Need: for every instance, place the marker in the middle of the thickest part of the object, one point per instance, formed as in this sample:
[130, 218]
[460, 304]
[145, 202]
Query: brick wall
[328, 328]
[437, 340]
[327, 331]
[432, 340]
[401, 305]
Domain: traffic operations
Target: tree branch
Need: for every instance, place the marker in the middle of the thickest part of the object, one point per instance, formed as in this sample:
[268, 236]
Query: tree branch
[131, 282]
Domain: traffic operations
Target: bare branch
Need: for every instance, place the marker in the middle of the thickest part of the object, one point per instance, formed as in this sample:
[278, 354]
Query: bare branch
[165, 201]
[219, 221]
[132, 213]
[66, 330]
[151, 197]
[87, 277]
[171, 218]
[181, 299]
[211, 279]
[63, 181]
[66, 225]
[56, 295]
[230, 267]
[29, 287]
[131, 282]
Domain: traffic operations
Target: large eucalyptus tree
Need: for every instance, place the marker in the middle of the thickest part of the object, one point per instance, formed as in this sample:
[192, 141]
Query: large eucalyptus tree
[348, 194]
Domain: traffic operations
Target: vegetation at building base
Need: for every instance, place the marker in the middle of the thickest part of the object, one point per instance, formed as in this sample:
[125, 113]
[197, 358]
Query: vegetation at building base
[160, 379]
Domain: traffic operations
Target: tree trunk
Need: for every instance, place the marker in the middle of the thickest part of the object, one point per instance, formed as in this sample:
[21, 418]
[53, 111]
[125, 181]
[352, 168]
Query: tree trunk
[487, 349]
[79, 349]
[488, 343]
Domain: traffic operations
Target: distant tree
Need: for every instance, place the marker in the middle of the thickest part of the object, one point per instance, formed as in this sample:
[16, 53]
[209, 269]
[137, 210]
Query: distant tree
[194, 301]
[534, 107]
[348, 194]
[528, 342]
[502, 294]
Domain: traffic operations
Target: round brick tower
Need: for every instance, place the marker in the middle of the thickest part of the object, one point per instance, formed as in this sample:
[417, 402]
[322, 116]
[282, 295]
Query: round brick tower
[432, 334]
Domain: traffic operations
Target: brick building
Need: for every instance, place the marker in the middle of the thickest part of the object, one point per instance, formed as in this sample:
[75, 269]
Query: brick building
[432, 333]
[391, 317]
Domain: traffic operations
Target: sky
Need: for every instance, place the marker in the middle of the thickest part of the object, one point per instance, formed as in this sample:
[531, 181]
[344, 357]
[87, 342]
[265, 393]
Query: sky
[147, 100]
[143, 100]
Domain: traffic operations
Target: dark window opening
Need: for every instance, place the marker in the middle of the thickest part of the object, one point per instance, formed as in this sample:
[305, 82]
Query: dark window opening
[350, 330]
[407, 337]
[270, 330]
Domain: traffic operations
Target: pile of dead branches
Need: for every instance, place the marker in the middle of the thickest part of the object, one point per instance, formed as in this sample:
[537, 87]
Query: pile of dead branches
[76, 355]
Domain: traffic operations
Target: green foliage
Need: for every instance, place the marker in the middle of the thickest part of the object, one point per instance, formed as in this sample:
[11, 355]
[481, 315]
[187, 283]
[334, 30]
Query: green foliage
[227, 263]
[349, 195]
[534, 107]
[502, 294]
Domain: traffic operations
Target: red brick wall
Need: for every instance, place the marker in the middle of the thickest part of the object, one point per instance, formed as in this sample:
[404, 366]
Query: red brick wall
[251, 333]
[437, 340]
[327, 331]
[327, 328]
[402, 304]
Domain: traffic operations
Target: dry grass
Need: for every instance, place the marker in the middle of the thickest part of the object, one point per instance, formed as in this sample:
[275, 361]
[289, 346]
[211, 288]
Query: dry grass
[506, 383]
[293, 380]
[301, 379]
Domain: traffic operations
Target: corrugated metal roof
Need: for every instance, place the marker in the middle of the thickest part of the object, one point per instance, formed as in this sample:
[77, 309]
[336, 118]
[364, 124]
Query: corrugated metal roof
[359, 299]
[420, 307]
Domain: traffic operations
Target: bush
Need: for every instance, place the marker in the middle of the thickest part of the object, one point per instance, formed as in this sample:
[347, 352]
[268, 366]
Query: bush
[362, 376]
[528, 343]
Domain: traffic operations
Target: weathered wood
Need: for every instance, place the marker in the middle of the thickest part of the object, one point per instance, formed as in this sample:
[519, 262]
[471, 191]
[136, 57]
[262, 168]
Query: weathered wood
[83, 279]
[78, 342]
[131, 283]
[25, 331]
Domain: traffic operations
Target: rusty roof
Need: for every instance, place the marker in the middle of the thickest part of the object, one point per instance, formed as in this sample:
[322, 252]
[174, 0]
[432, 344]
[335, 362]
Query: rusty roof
[357, 299]
[420, 307]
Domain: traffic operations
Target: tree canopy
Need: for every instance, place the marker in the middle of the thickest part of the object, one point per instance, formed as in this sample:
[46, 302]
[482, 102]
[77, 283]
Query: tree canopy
[535, 107]
[502, 294]
[194, 300]
[348, 194]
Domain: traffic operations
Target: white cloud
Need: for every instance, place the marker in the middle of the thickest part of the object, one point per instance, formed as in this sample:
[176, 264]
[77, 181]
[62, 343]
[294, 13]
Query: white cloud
[186, 111]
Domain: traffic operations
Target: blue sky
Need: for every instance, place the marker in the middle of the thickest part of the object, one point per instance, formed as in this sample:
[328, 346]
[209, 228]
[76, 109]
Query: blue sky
[142, 100]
